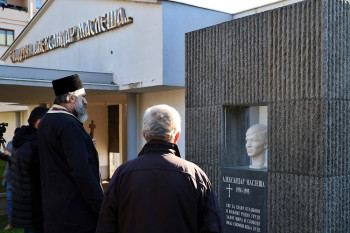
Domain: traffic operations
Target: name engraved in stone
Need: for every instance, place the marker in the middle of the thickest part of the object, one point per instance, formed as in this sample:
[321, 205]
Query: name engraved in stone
[243, 181]
[233, 180]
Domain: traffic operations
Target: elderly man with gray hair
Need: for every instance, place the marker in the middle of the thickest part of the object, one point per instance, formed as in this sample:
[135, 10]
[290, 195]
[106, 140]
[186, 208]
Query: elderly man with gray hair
[158, 191]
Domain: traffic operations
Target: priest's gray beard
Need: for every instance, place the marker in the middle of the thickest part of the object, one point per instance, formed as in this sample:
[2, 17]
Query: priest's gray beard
[79, 110]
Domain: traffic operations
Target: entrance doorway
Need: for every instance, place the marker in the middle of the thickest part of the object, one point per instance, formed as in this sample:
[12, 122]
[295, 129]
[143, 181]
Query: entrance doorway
[114, 158]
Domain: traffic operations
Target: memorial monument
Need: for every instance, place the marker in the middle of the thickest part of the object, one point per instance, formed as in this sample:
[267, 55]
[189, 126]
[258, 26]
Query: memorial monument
[294, 60]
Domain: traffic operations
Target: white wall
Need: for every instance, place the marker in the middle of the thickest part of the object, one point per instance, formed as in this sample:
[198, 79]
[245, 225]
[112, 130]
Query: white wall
[179, 19]
[14, 119]
[149, 52]
[99, 114]
[258, 115]
[263, 115]
[12, 20]
[11, 119]
[132, 52]
[174, 98]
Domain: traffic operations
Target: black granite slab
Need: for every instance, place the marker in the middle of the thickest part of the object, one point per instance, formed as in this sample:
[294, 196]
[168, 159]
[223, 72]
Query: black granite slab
[243, 199]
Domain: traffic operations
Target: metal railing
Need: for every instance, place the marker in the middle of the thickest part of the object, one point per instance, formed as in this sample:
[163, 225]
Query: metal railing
[14, 7]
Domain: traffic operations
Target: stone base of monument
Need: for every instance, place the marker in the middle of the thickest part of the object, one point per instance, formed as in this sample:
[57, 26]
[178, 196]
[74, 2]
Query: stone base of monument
[243, 199]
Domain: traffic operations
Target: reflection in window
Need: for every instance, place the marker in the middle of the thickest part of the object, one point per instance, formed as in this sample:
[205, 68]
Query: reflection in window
[6, 37]
[9, 38]
[2, 37]
[37, 4]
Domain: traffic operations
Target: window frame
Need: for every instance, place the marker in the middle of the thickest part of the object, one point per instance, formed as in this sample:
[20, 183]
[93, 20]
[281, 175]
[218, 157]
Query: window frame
[6, 34]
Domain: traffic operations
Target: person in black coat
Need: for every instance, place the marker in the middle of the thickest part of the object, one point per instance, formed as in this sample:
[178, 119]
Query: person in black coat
[6, 181]
[71, 184]
[25, 176]
[158, 191]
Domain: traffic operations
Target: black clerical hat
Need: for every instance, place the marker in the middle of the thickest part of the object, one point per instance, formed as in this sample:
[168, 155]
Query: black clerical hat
[67, 84]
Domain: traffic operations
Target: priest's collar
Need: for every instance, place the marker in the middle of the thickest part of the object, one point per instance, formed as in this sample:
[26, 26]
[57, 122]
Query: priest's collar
[60, 109]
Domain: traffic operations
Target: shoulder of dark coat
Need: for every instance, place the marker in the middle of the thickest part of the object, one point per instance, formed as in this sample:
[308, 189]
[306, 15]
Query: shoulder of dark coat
[59, 120]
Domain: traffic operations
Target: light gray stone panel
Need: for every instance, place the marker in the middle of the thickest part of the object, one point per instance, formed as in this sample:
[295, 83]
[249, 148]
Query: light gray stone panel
[295, 203]
[336, 138]
[336, 204]
[337, 49]
[296, 52]
[310, 137]
[226, 63]
[295, 135]
[202, 70]
[308, 204]
[203, 127]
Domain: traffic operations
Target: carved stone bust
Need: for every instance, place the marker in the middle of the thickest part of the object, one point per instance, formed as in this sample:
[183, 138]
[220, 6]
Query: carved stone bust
[256, 138]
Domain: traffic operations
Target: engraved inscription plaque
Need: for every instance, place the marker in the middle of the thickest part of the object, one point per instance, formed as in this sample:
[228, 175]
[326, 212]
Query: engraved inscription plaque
[243, 199]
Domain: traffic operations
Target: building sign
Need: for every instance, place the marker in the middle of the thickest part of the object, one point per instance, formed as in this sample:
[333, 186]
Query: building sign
[109, 21]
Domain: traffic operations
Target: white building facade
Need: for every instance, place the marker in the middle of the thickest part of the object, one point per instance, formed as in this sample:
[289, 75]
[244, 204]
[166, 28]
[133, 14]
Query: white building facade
[14, 16]
[130, 55]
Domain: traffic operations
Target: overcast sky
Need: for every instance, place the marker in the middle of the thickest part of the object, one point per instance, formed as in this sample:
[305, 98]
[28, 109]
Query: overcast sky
[229, 6]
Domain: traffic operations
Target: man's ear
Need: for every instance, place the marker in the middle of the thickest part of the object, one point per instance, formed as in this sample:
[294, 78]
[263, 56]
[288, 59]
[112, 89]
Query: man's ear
[144, 135]
[36, 124]
[70, 98]
[176, 137]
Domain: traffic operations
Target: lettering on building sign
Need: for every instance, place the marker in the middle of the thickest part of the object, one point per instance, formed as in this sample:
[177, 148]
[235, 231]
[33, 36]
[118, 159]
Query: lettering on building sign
[89, 28]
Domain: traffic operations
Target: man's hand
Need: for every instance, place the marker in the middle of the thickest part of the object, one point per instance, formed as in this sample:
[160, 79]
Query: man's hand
[8, 153]
[94, 141]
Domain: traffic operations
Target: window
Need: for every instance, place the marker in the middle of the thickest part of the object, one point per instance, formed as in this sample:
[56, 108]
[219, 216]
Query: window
[37, 4]
[6, 37]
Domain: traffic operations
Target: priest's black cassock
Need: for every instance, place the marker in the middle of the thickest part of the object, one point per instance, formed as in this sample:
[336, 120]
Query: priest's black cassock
[71, 184]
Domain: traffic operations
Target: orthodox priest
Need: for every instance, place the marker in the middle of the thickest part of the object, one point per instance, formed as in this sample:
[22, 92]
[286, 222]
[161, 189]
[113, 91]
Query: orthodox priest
[71, 185]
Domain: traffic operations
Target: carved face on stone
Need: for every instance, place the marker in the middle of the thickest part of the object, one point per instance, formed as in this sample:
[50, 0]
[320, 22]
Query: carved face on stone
[256, 138]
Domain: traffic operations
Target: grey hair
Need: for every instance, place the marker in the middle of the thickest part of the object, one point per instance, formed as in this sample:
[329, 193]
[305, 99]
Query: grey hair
[64, 97]
[161, 122]
[61, 99]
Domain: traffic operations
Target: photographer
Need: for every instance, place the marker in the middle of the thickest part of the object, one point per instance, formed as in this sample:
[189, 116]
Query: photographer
[2, 131]
[6, 181]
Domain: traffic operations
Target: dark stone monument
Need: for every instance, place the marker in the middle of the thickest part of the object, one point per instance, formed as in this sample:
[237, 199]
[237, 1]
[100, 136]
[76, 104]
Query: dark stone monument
[296, 61]
[243, 199]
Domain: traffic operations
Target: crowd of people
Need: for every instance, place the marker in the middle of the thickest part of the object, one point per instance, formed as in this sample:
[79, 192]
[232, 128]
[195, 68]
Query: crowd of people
[56, 184]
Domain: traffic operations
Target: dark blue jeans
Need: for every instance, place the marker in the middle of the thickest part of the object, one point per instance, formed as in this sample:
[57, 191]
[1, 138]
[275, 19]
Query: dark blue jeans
[9, 201]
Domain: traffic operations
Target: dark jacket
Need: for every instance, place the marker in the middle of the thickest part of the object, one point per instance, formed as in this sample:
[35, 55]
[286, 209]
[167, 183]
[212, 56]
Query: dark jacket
[159, 192]
[25, 179]
[6, 181]
[71, 185]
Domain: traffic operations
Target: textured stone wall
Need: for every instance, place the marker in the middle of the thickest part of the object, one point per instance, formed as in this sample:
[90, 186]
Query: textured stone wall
[295, 60]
